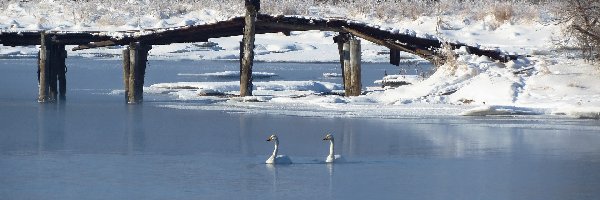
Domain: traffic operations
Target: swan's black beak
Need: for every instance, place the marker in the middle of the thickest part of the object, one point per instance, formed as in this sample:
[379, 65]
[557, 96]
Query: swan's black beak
[269, 139]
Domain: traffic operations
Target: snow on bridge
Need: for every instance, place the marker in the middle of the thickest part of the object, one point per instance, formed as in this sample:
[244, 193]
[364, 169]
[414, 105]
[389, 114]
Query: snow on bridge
[427, 48]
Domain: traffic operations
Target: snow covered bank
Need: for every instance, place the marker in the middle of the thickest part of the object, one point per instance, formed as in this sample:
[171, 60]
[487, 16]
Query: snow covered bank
[500, 110]
[191, 90]
[470, 86]
[579, 112]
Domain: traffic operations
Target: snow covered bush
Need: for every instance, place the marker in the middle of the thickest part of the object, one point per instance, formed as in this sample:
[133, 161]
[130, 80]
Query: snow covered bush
[448, 58]
[89, 10]
[583, 17]
[502, 12]
[287, 7]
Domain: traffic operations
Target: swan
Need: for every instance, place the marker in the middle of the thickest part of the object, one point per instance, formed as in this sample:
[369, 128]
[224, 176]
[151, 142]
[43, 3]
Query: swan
[277, 159]
[332, 157]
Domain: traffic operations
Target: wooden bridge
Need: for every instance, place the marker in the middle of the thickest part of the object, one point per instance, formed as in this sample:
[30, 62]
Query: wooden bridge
[52, 54]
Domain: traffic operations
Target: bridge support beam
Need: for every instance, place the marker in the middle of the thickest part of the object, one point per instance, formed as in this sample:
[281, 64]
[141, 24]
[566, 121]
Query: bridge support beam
[342, 58]
[134, 77]
[245, 73]
[350, 58]
[394, 57]
[126, 72]
[355, 67]
[51, 71]
[347, 69]
[61, 69]
[247, 50]
[43, 70]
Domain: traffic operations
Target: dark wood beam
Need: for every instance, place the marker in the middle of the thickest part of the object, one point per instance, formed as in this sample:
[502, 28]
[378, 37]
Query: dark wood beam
[426, 54]
[92, 45]
[423, 47]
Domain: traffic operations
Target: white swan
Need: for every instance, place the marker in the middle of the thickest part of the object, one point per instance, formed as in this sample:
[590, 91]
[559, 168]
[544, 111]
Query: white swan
[332, 157]
[277, 159]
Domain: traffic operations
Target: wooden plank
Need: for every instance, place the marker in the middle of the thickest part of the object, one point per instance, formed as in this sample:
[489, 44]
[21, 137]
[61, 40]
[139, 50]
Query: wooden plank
[297, 27]
[58, 37]
[20, 38]
[426, 54]
[92, 45]
[422, 47]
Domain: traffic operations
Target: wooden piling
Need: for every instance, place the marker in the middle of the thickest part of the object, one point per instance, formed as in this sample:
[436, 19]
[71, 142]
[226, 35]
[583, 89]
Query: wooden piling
[133, 70]
[241, 60]
[54, 58]
[355, 67]
[43, 70]
[141, 74]
[132, 62]
[252, 8]
[62, 73]
[347, 72]
[340, 40]
[51, 70]
[138, 56]
[126, 69]
[395, 57]
[341, 52]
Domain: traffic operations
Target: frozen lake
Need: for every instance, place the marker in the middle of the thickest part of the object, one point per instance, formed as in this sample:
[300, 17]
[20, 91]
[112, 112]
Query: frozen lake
[96, 147]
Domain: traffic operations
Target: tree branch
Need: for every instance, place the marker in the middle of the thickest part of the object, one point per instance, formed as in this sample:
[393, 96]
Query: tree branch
[586, 32]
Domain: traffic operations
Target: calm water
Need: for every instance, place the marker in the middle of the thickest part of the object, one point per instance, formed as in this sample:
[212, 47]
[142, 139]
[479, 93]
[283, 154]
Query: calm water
[96, 147]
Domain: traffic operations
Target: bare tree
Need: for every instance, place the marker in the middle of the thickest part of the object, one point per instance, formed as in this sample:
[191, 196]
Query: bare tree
[583, 17]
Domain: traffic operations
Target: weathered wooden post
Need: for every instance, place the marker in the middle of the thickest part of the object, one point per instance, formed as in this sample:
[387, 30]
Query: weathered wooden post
[126, 68]
[52, 81]
[355, 67]
[132, 62]
[62, 73]
[341, 52]
[51, 70]
[142, 60]
[340, 40]
[43, 69]
[138, 56]
[394, 57]
[56, 62]
[347, 72]
[241, 61]
[252, 8]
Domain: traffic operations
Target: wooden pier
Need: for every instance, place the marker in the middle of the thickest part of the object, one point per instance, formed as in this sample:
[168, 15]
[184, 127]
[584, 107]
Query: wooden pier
[52, 54]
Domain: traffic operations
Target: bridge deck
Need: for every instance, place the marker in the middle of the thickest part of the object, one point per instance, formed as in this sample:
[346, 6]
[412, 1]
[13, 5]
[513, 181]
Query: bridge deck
[423, 47]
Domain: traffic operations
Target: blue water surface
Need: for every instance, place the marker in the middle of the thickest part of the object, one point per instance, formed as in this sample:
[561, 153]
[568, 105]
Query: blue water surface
[95, 146]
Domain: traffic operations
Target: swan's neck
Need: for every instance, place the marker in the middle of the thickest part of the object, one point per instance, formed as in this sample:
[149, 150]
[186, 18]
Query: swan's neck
[276, 148]
[331, 147]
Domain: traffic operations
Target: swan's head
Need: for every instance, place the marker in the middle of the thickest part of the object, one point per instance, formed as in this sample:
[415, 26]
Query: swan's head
[328, 137]
[272, 138]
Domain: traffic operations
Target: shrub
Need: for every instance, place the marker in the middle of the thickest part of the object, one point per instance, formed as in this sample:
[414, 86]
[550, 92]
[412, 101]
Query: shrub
[583, 20]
